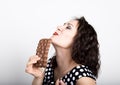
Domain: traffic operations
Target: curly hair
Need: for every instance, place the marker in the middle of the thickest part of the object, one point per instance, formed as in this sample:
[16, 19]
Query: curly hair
[85, 48]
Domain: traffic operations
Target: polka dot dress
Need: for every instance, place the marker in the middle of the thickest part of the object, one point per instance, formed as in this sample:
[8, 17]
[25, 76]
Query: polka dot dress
[70, 78]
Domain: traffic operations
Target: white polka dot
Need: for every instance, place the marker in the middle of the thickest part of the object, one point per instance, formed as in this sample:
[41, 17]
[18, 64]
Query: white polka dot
[47, 65]
[73, 71]
[71, 83]
[73, 78]
[76, 73]
[85, 69]
[78, 67]
[45, 74]
[89, 70]
[84, 74]
[52, 82]
[46, 69]
[88, 74]
[81, 70]
[68, 79]
[65, 76]
[64, 80]
[49, 69]
[79, 76]
[49, 73]
[82, 65]
[48, 77]
[70, 75]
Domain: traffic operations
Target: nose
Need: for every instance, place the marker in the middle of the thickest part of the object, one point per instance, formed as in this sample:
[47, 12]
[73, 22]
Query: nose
[60, 28]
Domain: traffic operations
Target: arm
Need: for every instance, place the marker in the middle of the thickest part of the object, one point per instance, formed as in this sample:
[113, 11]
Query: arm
[86, 81]
[37, 81]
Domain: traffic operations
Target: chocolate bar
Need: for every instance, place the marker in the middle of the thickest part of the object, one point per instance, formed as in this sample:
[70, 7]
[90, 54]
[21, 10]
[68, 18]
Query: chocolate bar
[42, 51]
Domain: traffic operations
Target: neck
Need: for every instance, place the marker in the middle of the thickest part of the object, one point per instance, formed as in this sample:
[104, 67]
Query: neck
[64, 59]
[64, 62]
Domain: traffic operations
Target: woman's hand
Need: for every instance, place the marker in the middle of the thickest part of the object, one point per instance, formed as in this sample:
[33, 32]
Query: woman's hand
[59, 82]
[37, 72]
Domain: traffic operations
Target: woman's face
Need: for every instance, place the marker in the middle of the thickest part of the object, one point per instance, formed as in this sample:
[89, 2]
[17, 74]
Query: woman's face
[64, 35]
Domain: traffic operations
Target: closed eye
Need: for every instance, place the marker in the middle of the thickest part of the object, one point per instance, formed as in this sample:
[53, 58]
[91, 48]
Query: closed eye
[68, 27]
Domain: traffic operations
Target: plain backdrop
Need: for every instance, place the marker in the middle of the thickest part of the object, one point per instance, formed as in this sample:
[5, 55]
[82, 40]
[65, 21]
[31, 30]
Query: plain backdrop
[24, 22]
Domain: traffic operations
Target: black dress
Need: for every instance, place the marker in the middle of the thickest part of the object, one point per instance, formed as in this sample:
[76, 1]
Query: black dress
[70, 78]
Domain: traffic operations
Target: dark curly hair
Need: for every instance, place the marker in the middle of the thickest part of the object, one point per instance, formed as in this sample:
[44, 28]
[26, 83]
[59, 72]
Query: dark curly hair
[85, 48]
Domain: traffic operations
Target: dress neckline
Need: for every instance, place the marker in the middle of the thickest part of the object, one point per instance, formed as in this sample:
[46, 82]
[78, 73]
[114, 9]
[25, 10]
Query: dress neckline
[75, 67]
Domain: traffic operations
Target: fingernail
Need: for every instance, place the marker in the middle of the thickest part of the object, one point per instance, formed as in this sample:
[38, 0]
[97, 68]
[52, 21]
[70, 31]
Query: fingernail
[60, 83]
[60, 80]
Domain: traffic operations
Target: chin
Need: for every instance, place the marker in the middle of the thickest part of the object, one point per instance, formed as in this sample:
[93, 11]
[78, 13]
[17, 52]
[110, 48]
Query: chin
[60, 45]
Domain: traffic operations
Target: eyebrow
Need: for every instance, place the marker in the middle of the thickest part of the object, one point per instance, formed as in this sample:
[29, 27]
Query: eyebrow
[69, 24]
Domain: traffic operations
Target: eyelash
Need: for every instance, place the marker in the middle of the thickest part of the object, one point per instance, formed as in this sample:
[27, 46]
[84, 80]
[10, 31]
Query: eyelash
[68, 27]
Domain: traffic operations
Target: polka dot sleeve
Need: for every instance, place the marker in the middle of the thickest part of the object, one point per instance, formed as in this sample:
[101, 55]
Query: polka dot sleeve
[83, 71]
[77, 73]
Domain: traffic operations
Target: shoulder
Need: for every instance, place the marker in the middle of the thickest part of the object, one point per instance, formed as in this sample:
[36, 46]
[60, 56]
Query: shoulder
[82, 72]
[85, 77]
[85, 81]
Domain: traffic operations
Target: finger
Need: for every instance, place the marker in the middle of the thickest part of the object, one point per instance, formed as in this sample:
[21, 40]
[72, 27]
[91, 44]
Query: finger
[57, 82]
[33, 61]
[30, 63]
[42, 69]
[33, 57]
[61, 82]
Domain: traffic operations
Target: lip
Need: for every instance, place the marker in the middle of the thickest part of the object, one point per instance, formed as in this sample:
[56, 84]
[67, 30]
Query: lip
[55, 33]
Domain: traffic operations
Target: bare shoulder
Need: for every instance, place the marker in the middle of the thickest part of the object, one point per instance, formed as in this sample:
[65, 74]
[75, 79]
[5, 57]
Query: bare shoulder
[85, 81]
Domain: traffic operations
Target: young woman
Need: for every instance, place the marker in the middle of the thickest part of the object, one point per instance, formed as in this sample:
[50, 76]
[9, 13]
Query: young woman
[76, 60]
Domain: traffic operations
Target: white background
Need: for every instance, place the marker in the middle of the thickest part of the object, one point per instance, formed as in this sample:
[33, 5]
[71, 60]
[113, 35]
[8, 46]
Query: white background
[24, 22]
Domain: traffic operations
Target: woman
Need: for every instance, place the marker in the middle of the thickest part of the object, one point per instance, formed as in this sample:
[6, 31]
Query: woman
[76, 61]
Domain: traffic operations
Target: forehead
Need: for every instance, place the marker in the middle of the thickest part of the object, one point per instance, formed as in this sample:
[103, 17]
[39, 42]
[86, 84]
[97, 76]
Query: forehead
[73, 22]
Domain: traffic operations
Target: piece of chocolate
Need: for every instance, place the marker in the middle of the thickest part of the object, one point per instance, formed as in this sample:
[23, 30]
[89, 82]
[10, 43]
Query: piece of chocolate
[42, 51]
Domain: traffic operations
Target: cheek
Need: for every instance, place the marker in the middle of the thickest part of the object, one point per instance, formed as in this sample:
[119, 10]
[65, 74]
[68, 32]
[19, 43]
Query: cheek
[66, 42]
